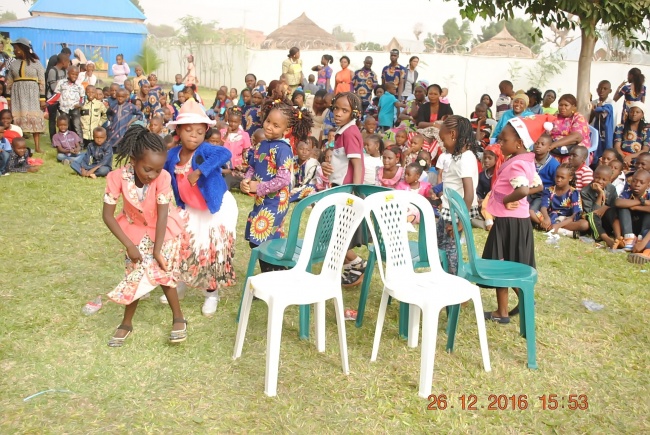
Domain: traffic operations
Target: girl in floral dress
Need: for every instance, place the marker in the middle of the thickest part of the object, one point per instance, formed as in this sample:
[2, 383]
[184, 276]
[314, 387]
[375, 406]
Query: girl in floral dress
[210, 211]
[148, 226]
[391, 174]
[269, 173]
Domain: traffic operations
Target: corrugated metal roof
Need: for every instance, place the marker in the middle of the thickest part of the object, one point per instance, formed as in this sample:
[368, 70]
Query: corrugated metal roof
[97, 8]
[76, 25]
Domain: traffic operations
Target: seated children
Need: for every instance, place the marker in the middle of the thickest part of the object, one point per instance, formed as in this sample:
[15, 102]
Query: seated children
[583, 173]
[598, 206]
[546, 166]
[411, 153]
[322, 180]
[156, 126]
[412, 182]
[372, 159]
[618, 176]
[251, 114]
[561, 204]
[97, 161]
[430, 175]
[93, 114]
[482, 125]
[633, 137]
[311, 87]
[390, 174]
[633, 206]
[369, 126]
[67, 143]
[305, 167]
[18, 157]
[220, 105]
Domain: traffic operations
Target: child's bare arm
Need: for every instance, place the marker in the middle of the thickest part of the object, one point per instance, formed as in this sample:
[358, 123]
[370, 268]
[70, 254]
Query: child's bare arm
[108, 215]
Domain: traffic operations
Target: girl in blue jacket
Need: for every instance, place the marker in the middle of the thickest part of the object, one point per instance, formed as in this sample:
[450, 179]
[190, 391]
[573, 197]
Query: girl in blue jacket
[209, 208]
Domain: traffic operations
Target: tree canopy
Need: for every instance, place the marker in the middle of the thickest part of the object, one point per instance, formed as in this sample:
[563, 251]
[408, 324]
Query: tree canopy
[161, 31]
[625, 19]
[369, 46]
[342, 35]
[454, 37]
[7, 16]
[137, 4]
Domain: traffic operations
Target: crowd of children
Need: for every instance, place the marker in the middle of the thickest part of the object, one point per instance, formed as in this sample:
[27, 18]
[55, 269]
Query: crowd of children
[282, 143]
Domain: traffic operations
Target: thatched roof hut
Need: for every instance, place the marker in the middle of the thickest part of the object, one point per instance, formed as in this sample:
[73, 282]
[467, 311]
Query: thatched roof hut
[302, 33]
[504, 45]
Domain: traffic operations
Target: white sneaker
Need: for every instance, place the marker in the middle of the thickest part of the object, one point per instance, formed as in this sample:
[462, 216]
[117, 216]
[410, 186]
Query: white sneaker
[180, 289]
[210, 304]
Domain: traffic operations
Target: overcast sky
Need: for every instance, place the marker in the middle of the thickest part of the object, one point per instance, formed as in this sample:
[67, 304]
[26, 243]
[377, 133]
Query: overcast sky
[366, 19]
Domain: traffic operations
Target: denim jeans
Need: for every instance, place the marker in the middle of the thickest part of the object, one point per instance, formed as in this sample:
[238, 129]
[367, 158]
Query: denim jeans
[61, 157]
[4, 158]
[633, 222]
[75, 120]
[77, 164]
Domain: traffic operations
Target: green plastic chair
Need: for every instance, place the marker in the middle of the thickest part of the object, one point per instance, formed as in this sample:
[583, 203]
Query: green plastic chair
[492, 274]
[285, 251]
[420, 259]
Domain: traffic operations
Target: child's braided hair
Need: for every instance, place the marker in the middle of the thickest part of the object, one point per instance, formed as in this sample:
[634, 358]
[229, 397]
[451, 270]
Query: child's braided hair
[135, 142]
[572, 171]
[300, 121]
[353, 100]
[465, 136]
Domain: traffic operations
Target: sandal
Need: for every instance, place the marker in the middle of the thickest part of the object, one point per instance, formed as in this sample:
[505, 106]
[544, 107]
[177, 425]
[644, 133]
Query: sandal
[119, 341]
[353, 274]
[180, 335]
[490, 316]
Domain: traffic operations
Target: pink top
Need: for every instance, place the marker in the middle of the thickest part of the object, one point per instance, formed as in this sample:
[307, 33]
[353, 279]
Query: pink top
[120, 72]
[562, 127]
[423, 190]
[138, 218]
[191, 195]
[389, 182]
[237, 143]
[517, 171]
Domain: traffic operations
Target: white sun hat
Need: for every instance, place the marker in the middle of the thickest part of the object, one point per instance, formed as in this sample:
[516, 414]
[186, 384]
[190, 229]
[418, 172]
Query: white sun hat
[192, 113]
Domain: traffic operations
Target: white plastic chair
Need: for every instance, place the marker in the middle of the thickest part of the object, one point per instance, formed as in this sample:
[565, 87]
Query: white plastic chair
[297, 286]
[428, 292]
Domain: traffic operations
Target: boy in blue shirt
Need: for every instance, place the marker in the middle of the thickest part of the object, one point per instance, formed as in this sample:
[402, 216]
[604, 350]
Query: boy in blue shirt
[387, 104]
[176, 88]
[546, 167]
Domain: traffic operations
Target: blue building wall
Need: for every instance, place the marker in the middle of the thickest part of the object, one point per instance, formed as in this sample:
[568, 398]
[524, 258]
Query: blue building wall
[47, 43]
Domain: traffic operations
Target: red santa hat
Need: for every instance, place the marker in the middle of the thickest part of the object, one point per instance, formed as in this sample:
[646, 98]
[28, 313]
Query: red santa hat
[532, 127]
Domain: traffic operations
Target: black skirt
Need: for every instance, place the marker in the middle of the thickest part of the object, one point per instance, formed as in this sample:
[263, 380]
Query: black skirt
[511, 239]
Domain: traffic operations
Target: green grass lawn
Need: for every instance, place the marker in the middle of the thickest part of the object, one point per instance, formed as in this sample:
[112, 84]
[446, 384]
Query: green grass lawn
[57, 254]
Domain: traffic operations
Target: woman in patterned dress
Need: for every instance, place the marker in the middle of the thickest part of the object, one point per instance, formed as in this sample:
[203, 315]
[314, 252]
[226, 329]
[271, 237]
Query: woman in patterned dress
[26, 85]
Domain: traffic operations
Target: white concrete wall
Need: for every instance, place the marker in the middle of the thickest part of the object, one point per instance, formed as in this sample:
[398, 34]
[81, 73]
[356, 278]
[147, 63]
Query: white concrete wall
[467, 77]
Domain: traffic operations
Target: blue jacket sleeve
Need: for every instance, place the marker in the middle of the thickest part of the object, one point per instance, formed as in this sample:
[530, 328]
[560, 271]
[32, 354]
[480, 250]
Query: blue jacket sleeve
[108, 158]
[210, 158]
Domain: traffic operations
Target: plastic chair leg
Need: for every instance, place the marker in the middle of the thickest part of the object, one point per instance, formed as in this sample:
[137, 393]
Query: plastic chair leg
[320, 326]
[380, 325]
[245, 306]
[273, 339]
[304, 322]
[527, 323]
[482, 335]
[429, 336]
[403, 320]
[413, 325]
[255, 253]
[343, 342]
[443, 260]
[452, 326]
[365, 287]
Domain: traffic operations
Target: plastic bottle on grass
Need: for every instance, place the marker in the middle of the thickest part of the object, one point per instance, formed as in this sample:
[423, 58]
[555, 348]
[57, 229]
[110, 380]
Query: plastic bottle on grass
[92, 306]
[591, 305]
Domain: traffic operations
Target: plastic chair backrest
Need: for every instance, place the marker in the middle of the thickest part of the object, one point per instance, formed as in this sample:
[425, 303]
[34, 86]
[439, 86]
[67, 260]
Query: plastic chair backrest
[594, 137]
[459, 212]
[296, 216]
[348, 214]
[388, 211]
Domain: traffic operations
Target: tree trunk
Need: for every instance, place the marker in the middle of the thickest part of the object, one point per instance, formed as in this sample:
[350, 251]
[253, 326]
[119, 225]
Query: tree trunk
[588, 42]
